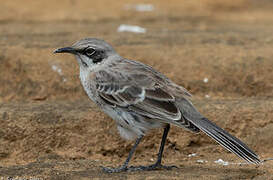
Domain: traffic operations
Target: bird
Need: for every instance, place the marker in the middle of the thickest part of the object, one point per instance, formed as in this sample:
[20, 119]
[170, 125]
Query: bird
[139, 98]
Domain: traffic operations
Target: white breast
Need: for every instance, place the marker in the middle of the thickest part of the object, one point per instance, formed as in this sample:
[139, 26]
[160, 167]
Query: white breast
[87, 84]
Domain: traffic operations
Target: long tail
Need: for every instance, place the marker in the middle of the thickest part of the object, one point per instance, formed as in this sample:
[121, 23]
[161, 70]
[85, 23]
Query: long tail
[221, 136]
[228, 141]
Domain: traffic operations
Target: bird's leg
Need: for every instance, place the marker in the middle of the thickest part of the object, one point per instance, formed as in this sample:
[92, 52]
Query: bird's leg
[124, 167]
[158, 164]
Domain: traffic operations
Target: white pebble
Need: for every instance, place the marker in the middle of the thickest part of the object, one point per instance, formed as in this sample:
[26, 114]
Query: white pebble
[207, 96]
[57, 69]
[201, 161]
[220, 161]
[130, 28]
[192, 155]
[140, 7]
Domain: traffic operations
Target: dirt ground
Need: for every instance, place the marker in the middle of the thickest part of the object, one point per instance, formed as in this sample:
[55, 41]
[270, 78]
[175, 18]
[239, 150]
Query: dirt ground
[221, 51]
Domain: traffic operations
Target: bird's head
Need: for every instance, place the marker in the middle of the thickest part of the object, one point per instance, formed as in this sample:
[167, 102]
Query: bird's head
[89, 51]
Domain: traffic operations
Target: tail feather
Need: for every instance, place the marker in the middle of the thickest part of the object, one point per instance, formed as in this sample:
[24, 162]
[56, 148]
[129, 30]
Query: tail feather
[221, 136]
[228, 141]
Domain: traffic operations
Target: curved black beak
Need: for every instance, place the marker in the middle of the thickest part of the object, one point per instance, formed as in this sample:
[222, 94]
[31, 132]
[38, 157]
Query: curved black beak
[66, 50]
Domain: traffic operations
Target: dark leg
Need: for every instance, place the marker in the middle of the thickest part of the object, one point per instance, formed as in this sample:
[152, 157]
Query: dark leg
[124, 167]
[161, 149]
[158, 164]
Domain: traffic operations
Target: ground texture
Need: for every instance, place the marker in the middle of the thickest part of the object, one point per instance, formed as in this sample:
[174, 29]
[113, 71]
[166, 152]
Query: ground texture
[220, 51]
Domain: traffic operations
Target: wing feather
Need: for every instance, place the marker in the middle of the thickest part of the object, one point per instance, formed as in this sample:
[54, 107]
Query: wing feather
[142, 90]
[159, 94]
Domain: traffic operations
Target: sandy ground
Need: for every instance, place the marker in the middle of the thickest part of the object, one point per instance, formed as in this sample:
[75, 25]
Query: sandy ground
[50, 130]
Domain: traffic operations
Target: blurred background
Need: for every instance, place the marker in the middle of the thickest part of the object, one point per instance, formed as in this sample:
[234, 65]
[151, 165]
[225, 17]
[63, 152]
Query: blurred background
[221, 51]
[226, 44]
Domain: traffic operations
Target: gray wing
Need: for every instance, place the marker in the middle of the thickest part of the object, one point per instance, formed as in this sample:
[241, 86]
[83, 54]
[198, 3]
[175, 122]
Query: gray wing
[137, 88]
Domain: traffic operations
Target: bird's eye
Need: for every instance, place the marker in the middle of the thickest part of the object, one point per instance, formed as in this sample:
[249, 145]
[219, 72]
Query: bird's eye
[96, 55]
[89, 51]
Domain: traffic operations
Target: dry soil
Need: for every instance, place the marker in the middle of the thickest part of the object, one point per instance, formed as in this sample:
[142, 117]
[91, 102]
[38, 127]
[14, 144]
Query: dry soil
[49, 128]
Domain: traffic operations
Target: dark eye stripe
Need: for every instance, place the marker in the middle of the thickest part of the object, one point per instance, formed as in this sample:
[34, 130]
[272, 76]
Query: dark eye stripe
[97, 55]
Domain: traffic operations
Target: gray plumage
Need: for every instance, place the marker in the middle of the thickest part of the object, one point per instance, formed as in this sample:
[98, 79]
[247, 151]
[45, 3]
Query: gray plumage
[140, 98]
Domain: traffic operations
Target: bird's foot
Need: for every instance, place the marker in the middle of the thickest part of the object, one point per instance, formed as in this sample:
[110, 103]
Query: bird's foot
[115, 170]
[156, 166]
